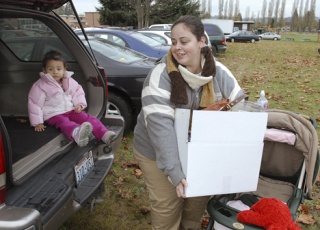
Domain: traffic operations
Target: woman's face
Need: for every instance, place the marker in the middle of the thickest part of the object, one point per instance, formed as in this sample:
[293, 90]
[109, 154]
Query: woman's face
[185, 48]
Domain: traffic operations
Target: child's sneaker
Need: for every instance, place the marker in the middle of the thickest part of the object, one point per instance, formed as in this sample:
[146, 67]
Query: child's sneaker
[81, 137]
[108, 136]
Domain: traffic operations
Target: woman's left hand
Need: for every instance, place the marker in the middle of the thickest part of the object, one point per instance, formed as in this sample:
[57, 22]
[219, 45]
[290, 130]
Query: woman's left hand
[180, 188]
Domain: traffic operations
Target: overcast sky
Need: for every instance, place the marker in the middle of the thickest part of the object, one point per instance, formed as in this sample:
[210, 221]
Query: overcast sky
[255, 6]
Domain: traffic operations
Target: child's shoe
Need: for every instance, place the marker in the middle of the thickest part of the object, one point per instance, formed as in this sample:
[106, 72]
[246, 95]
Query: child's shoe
[81, 137]
[108, 136]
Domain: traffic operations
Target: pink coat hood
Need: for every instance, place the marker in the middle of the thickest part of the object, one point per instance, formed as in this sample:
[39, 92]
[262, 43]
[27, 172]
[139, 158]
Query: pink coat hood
[48, 98]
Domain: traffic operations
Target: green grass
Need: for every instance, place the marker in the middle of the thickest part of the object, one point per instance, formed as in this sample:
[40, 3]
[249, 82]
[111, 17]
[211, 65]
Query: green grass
[288, 71]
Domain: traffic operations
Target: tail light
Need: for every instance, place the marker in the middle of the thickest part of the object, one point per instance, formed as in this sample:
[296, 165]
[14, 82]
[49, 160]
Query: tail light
[95, 81]
[223, 40]
[2, 172]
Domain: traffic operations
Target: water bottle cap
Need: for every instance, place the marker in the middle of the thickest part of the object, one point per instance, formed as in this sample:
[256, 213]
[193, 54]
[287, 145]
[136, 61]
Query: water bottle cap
[262, 92]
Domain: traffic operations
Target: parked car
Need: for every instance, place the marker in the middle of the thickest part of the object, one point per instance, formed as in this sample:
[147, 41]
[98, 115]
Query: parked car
[161, 26]
[216, 37]
[127, 71]
[242, 36]
[163, 36]
[270, 36]
[44, 177]
[131, 39]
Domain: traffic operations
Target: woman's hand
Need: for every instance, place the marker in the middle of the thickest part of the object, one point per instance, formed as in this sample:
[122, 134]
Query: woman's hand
[180, 188]
[39, 128]
[78, 109]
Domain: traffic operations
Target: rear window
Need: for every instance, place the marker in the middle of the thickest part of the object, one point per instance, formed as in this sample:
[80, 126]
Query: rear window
[29, 39]
[212, 30]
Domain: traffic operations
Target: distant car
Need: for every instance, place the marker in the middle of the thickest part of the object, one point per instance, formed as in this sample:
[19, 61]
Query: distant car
[126, 71]
[131, 39]
[161, 26]
[270, 36]
[163, 36]
[216, 37]
[242, 36]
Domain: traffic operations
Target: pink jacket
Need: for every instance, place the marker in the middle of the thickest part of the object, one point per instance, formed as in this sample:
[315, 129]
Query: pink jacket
[47, 98]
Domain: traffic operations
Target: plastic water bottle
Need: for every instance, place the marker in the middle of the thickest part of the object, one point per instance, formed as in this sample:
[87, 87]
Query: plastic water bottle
[263, 100]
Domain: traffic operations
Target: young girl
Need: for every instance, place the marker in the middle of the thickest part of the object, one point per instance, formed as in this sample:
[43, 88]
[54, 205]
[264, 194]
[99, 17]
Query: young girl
[59, 100]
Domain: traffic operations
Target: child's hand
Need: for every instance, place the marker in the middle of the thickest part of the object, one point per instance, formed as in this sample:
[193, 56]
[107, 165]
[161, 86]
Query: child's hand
[39, 128]
[78, 109]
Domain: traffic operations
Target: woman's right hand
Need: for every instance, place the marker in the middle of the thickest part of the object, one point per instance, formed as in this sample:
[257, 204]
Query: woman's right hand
[39, 128]
[180, 188]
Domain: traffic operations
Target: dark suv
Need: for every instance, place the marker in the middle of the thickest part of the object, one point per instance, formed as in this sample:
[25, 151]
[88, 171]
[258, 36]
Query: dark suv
[217, 38]
[45, 177]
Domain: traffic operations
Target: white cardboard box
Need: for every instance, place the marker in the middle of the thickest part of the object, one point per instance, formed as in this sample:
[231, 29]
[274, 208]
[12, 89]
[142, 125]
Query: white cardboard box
[224, 152]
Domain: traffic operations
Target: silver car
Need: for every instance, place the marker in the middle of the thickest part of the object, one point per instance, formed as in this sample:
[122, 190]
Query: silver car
[270, 36]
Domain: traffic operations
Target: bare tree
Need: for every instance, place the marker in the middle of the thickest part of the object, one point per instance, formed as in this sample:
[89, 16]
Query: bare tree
[226, 9]
[248, 13]
[306, 8]
[236, 11]
[209, 8]
[220, 15]
[301, 9]
[276, 12]
[270, 12]
[294, 7]
[263, 12]
[281, 20]
[230, 10]
[203, 6]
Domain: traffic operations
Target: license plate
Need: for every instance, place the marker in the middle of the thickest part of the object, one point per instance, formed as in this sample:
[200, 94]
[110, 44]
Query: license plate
[83, 167]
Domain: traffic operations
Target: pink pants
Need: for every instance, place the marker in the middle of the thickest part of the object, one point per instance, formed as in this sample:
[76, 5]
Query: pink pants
[68, 121]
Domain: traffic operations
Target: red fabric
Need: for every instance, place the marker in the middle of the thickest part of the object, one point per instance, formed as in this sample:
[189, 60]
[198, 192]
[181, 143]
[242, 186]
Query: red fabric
[269, 213]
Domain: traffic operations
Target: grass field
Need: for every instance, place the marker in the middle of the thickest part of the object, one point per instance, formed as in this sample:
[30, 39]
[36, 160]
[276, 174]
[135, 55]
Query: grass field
[288, 71]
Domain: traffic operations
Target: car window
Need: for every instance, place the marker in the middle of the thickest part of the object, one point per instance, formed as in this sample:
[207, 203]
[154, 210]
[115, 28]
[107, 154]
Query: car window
[29, 39]
[145, 39]
[157, 38]
[110, 37]
[115, 52]
[212, 30]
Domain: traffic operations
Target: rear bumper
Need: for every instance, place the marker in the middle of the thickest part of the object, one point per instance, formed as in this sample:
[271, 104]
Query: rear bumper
[222, 48]
[51, 196]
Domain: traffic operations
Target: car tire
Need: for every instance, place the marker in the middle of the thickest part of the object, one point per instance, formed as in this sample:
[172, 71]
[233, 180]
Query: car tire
[260, 38]
[275, 39]
[253, 40]
[232, 39]
[117, 105]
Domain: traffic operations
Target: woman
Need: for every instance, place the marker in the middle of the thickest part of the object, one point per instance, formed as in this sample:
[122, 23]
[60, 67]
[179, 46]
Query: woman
[187, 77]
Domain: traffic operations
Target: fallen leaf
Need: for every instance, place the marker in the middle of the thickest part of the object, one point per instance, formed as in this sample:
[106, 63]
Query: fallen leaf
[145, 210]
[306, 218]
[138, 173]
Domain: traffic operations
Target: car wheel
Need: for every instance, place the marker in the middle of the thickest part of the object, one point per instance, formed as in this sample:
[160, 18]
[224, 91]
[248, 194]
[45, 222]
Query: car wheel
[275, 39]
[260, 38]
[232, 39]
[253, 40]
[117, 105]
[214, 51]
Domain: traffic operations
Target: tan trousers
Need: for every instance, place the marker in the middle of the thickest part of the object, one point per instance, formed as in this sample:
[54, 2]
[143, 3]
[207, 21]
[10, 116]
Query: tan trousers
[168, 211]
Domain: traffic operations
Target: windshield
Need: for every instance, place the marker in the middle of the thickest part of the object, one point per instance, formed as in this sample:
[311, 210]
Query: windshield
[115, 52]
[146, 39]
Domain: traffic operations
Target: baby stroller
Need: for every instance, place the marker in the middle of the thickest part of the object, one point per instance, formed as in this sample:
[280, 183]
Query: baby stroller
[288, 170]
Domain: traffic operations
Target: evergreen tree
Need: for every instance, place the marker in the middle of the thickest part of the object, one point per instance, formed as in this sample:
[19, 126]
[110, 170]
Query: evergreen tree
[125, 12]
[167, 11]
[117, 13]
